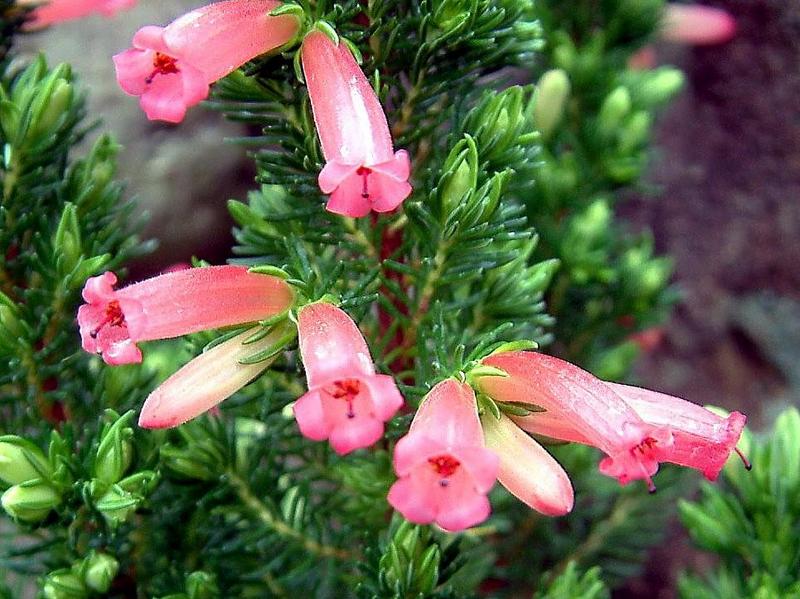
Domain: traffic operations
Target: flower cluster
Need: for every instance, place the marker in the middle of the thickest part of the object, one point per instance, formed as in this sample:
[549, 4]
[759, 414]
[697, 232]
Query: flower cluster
[455, 449]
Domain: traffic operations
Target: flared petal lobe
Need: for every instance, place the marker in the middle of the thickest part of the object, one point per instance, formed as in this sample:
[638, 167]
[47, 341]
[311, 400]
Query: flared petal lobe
[174, 304]
[346, 403]
[526, 469]
[166, 85]
[206, 381]
[362, 171]
[444, 470]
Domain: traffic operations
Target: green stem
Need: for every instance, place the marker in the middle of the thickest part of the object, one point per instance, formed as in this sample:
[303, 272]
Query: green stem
[269, 519]
[360, 238]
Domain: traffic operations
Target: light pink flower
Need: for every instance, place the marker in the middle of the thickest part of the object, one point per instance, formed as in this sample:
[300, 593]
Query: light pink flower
[171, 67]
[444, 468]
[701, 439]
[593, 409]
[347, 403]
[697, 25]
[56, 11]
[207, 380]
[526, 469]
[362, 171]
[174, 304]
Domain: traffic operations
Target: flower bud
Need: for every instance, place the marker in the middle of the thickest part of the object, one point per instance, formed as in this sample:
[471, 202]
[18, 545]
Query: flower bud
[67, 242]
[460, 175]
[64, 584]
[21, 461]
[635, 131]
[60, 100]
[552, 93]
[11, 328]
[30, 501]
[100, 570]
[660, 86]
[115, 451]
[116, 505]
[615, 107]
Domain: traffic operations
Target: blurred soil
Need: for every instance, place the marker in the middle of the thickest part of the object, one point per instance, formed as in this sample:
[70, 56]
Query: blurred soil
[728, 212]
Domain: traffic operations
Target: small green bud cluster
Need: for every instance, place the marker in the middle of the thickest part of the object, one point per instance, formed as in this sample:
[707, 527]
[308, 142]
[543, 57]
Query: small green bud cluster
[33, 493]
[90, 576]
[115, 495]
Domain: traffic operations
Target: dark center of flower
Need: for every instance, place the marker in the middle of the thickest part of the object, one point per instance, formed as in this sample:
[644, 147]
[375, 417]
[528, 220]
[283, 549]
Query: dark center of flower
[643, 449]
[364, 172]
[445, 466]
[113, 317]
[162, 65]
[346, 389]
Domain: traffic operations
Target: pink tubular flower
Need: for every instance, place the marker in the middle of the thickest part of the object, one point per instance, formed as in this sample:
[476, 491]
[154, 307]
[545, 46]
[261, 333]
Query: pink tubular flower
[204, 382]
[362, 171]
[526, 469]
[346, 402]
[594, 410]
[701, 439]
[636, 428]
[444, 469]
[56, 11]
[697, 25]
[172, 67]
[174, 304]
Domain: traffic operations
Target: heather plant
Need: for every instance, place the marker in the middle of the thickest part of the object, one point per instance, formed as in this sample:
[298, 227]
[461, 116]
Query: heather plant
[429, 294]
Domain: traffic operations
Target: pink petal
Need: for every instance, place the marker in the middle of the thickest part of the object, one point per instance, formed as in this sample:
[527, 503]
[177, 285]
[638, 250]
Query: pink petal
[405, 498]
[481, 464]
[151, 37]
[386, 193]
[133, 66]
[398, 168]
[355, 434]
[470, 509]
[334, 173]
[310, 417]
[331, 346]
[100, 288]
[385, 396]
[348, 198]
[527, 470]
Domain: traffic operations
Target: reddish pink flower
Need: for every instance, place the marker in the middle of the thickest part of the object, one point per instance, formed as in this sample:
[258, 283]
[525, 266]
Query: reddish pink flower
[701, 439]
[697, 25]
[207, 380]
[56, 11]
[636, 428]
[593, 409]
[444, 469]
[526, 469]
[171, 67]
[174, 304]
[362, 171]
[346, 402]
